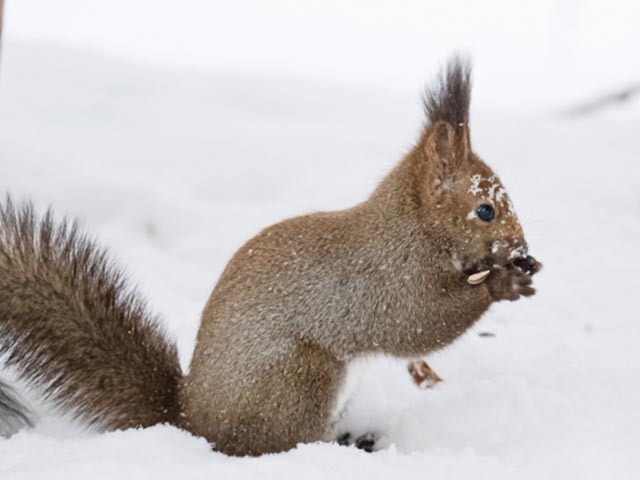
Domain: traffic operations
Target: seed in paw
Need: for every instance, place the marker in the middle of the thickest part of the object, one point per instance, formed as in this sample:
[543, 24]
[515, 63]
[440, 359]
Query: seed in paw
[478, 278]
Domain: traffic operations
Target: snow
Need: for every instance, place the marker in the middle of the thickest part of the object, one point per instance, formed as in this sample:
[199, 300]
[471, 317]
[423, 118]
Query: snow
[353, 375]
[173, 165]
[475, 189]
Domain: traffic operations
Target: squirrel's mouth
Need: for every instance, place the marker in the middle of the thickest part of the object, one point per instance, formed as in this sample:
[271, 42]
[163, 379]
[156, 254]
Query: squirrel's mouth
[480, 265]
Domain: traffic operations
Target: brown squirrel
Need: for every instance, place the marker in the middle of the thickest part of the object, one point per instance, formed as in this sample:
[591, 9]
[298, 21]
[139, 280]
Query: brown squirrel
[295, 308]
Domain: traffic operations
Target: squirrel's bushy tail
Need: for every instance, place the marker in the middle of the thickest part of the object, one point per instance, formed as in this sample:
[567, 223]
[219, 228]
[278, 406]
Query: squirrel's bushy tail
[70, 324]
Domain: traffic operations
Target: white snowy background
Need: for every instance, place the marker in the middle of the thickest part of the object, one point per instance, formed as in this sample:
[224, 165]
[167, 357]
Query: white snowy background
[174, 131]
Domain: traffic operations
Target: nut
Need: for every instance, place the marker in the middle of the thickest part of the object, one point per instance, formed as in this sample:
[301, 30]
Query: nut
[423, 374]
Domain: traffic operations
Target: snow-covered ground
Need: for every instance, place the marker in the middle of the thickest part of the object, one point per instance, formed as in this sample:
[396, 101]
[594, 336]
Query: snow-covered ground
[174, 168]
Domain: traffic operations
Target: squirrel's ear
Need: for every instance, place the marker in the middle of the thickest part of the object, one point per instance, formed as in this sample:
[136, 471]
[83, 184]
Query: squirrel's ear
[446, 148]
[445, 141]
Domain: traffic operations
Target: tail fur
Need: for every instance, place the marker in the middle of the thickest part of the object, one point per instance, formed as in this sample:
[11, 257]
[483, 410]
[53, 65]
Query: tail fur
[69, 323]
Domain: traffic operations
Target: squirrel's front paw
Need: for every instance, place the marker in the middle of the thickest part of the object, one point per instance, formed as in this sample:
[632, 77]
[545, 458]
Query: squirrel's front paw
[509, 283]
[528, 265]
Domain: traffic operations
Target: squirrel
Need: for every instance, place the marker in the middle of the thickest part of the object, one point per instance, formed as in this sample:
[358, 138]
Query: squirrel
[294, 309]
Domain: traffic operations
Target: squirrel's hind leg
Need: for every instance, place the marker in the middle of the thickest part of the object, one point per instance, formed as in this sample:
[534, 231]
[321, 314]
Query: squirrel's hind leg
[286, 402]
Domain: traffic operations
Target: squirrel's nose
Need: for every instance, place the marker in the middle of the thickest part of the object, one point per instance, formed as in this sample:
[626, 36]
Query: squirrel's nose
[504, 251]
[518, 248]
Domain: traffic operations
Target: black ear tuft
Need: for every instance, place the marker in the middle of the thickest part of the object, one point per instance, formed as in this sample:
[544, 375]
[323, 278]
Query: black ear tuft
[448, 99]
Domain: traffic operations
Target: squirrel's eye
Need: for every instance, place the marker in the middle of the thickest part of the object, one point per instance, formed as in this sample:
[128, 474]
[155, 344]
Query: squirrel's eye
[485, 212]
